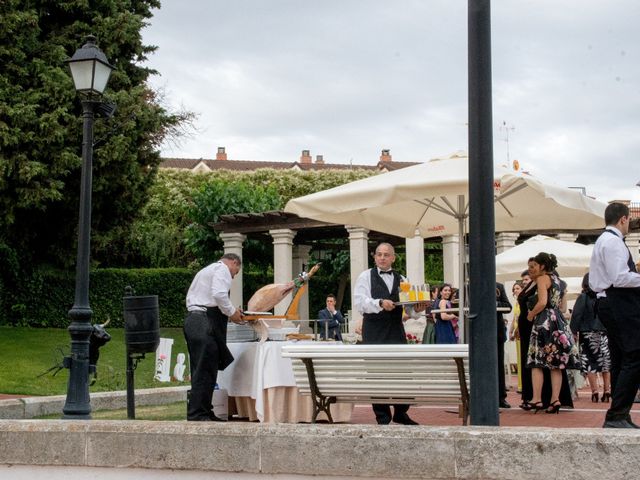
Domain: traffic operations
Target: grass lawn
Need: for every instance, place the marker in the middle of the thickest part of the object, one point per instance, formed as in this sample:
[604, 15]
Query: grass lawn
[26, 353]
[171, 411]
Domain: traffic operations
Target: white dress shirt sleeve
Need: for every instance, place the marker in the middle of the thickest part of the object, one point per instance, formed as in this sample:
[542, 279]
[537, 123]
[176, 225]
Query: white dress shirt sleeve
[220, 285]
[608, 266]
[617, 268]
[362, 295]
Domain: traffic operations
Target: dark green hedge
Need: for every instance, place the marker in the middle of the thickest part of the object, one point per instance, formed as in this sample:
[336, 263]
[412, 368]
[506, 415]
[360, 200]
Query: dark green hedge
[44, 298]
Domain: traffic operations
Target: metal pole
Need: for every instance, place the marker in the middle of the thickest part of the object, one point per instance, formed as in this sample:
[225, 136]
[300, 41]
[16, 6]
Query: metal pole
[131, 402]
[483, 338]
[462, 258]
[77, 404]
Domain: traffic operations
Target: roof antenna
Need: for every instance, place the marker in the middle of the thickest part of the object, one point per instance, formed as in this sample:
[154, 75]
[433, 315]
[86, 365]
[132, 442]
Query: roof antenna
[506, 129]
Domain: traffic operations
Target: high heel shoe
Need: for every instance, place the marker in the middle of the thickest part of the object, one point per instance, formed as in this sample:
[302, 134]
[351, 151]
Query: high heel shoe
[525, 405]
[536, 406]
[606, 396]
[554, 407]
[594, 397]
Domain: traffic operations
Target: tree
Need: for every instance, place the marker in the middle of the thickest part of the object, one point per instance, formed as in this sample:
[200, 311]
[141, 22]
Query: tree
[220, 197]
[41, 125]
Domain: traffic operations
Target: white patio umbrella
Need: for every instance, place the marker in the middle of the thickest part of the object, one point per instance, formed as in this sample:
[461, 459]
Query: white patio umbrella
[573, 258]
[432, 198]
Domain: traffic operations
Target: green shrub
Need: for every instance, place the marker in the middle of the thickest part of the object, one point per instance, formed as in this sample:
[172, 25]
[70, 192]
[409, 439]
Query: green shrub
[44, 298]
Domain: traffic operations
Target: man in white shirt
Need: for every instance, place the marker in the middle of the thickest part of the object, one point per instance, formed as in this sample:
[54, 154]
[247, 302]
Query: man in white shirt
[376, 293]
[613, 276]
[205, 329]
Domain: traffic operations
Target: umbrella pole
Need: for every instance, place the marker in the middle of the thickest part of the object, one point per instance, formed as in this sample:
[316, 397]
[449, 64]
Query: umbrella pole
[462, 258]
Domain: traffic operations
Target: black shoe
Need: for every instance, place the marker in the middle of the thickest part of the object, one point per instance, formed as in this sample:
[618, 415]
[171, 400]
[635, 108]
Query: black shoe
[618, 424]
[504, 404]
[199, 419]
[383, 421]
[404, 420]
[631, 423]
[213, 418]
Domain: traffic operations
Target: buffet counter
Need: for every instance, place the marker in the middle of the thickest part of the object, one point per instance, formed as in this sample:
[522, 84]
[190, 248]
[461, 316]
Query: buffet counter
[261, 386]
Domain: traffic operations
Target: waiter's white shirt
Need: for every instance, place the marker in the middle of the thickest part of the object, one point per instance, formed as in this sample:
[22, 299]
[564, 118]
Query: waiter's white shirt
[362, 294]
[608, 266]
[210, 288]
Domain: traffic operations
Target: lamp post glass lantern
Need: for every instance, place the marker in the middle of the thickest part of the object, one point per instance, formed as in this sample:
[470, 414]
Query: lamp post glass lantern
[90, 71]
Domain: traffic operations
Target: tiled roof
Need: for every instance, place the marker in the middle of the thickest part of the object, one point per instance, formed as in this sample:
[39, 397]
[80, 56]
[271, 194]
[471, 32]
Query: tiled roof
[250, 165]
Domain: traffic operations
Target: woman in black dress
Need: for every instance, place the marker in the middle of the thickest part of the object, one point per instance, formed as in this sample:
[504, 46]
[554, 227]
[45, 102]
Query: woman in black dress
[524, 331]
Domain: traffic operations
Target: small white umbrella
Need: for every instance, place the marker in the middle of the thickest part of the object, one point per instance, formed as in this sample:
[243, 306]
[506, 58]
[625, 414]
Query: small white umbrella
[573, 258]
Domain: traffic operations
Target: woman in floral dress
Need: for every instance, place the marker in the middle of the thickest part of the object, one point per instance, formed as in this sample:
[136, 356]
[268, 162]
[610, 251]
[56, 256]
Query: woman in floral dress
[551, 345]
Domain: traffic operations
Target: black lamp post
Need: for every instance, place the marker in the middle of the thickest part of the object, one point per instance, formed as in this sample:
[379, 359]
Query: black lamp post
[91, 71]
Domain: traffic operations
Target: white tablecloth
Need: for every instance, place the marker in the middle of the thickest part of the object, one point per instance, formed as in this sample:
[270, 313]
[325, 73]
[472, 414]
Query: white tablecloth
[258, 367]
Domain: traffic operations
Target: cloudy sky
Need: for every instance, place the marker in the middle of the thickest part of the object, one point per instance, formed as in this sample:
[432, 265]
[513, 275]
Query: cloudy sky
[347, 78]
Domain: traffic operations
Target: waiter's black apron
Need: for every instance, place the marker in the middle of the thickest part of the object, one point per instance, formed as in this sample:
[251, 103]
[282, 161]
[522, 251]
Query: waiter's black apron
[625, 306]
[384, 327]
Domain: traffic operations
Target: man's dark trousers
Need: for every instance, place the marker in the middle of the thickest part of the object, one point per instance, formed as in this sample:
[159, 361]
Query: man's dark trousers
[205, 333]
[625, 366]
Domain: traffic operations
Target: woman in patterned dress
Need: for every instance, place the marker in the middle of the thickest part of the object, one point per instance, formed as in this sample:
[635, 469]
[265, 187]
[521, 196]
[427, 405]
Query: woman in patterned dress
[593, 341]
[551, 345]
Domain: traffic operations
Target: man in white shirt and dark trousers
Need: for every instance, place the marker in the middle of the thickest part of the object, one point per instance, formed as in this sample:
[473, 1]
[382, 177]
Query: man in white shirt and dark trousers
[375, 294]
[613, 276]
[205, 329]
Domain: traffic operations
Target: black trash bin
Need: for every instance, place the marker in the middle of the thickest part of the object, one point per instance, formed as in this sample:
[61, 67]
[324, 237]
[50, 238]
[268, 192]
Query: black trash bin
[141, 323]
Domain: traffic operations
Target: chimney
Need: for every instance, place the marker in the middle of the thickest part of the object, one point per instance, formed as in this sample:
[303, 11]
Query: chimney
[305, 157]
[221, 155]
[319, 160]
[386, 155]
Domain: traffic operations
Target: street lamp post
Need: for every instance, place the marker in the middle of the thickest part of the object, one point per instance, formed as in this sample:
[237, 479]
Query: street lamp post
[91, 71]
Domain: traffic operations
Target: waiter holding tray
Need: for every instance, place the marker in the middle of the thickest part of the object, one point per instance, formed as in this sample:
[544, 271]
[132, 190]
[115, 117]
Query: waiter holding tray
[376, 296]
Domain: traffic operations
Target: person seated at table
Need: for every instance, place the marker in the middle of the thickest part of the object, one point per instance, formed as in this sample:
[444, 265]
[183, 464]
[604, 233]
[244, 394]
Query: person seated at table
[330, 320]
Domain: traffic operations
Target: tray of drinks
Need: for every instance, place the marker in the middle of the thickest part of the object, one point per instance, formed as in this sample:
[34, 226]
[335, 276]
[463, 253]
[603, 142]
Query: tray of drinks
[410, 302]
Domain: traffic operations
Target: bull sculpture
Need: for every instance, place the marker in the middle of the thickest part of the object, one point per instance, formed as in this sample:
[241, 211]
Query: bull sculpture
[99, 337]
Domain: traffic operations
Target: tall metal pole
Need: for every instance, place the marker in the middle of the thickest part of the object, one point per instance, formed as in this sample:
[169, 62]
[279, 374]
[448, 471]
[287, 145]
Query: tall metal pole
[77, 404]
[483, 339]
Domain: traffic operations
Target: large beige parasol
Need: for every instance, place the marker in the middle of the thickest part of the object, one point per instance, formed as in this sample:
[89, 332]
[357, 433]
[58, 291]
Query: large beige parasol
[432, 198]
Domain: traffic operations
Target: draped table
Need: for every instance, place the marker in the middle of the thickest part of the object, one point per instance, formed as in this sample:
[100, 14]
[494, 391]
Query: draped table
[261, 384]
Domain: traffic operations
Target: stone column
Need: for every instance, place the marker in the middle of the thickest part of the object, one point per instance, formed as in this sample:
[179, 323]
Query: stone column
[505, 241]
[282, 263]
[567, 237]
[233, 244]
[359, 262]
[300, 261]
[451, 259]
[415, 259]
[633, 242]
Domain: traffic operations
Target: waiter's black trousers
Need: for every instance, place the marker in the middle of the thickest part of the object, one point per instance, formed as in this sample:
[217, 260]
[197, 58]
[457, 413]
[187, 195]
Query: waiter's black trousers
[204, 356]
[625, 368]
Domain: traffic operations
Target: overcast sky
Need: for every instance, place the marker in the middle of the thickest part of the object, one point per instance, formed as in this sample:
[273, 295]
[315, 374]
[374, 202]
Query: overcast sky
[347, 78]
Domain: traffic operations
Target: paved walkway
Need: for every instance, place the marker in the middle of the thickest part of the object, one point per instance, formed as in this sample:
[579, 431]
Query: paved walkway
[6, 396]
[585, 414]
